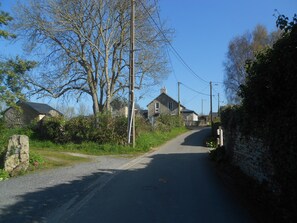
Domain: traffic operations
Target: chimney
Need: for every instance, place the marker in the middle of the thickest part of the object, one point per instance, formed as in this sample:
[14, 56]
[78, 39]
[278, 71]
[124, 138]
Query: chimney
[163, 90]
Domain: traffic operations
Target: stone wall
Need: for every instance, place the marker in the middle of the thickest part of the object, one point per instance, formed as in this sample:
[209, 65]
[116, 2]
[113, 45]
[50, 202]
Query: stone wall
[250, 155]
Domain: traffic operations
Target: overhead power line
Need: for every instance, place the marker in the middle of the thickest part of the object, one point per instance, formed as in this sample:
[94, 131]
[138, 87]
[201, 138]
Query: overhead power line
[198, 92]
[172, 47]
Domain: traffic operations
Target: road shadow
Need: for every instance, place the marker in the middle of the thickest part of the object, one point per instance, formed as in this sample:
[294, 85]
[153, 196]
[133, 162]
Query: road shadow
[35, 206]
[157, 188]
[197, 138]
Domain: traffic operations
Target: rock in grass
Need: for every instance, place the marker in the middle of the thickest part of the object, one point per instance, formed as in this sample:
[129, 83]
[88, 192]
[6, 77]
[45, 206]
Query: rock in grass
[17, 156]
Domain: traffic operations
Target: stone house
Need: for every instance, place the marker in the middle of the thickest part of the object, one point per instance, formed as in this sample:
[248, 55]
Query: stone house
[163, 104]
[190, 117]
[27, 112]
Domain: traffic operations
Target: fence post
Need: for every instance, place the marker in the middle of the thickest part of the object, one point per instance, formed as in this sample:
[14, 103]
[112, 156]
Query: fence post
[220, 136]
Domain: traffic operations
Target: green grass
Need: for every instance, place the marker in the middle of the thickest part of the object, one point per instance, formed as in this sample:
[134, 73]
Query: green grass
[47, 155]
[149, 140]
[144, 143]
[47, 159]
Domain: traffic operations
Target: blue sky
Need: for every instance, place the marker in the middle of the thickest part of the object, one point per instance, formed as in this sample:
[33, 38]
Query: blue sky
[203, 30]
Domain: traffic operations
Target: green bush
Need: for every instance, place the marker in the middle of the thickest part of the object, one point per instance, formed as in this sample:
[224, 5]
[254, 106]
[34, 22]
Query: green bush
[167, 122]
[102, 129]
[79, 129]
[52, 128]
[268, 110]
[35, 159]
[217, 154]
[3, 175]
[142, 125]
[110, 130]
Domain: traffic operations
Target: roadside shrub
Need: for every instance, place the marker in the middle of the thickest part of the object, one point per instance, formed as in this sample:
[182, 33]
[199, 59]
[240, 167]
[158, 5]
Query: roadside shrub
[3, 175]
[170, 121]
[268, 111]
[35, 159]
[211, 142]
[120, 131]
[79, 129]
[142, 125]
[110, 130]
[52, 128]
[217, 154]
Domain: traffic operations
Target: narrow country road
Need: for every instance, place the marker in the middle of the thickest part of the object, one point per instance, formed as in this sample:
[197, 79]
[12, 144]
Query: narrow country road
[176, 183]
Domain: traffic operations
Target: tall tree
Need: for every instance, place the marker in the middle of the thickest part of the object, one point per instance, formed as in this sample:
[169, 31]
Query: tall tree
[12, 79]
[12, 71]
[240, 50]
[5, 18]
[86, 47]
[270, 105]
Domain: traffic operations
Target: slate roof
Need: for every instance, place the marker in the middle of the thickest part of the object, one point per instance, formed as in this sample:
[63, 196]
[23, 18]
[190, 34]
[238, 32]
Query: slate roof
[166, 96]
[188, 111]
[39, 107]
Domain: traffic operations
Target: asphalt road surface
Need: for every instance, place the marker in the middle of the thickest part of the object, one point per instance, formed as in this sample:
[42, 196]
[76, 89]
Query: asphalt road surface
[176, 183]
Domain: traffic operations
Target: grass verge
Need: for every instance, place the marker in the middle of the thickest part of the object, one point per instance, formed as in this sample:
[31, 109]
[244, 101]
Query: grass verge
[144, 143]
[48, 155]
[47, 159]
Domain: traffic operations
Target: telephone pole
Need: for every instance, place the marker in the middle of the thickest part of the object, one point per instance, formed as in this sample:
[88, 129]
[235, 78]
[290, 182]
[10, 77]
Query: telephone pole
[178, 85]
[210, 89]
[218, 104]
[202, 100]
[131, 110]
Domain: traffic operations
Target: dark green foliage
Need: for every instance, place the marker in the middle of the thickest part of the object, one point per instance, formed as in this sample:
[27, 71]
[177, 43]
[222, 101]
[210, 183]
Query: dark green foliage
[35, 159]
[83, 129]
[79, 128]
[142, 125]
[109, 130]
[218, 154]
[13, 79]
[269, 109]
[283, 22]
[5, 18]
[12, 71]
[3, 175]
[166, 122]
[51, 128]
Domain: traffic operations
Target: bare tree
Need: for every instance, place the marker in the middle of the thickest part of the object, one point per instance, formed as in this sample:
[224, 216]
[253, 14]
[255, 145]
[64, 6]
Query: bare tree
[83, 110]
[66, 110]
[85, 47]
[240, 50]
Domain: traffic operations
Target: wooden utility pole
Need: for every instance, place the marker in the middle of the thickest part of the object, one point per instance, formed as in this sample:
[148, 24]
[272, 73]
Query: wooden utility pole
[178, 85]
[210, 89]
[131, 110]
[218, 104]
[201, 106]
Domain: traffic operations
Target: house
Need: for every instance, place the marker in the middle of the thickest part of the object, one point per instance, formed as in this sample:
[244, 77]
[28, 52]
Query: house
[163, 104]
[142, 113]
[190, 117]
[27, 112]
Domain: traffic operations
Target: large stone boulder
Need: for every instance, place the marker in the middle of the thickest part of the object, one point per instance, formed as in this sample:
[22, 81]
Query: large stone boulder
[17, 156]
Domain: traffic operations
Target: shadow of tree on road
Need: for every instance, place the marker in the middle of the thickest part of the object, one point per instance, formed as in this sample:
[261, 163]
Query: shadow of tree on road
[197, 138]
[175, 187]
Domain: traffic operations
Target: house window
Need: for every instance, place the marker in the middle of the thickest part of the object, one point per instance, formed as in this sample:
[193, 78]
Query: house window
[170, 105]
[157, 106]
